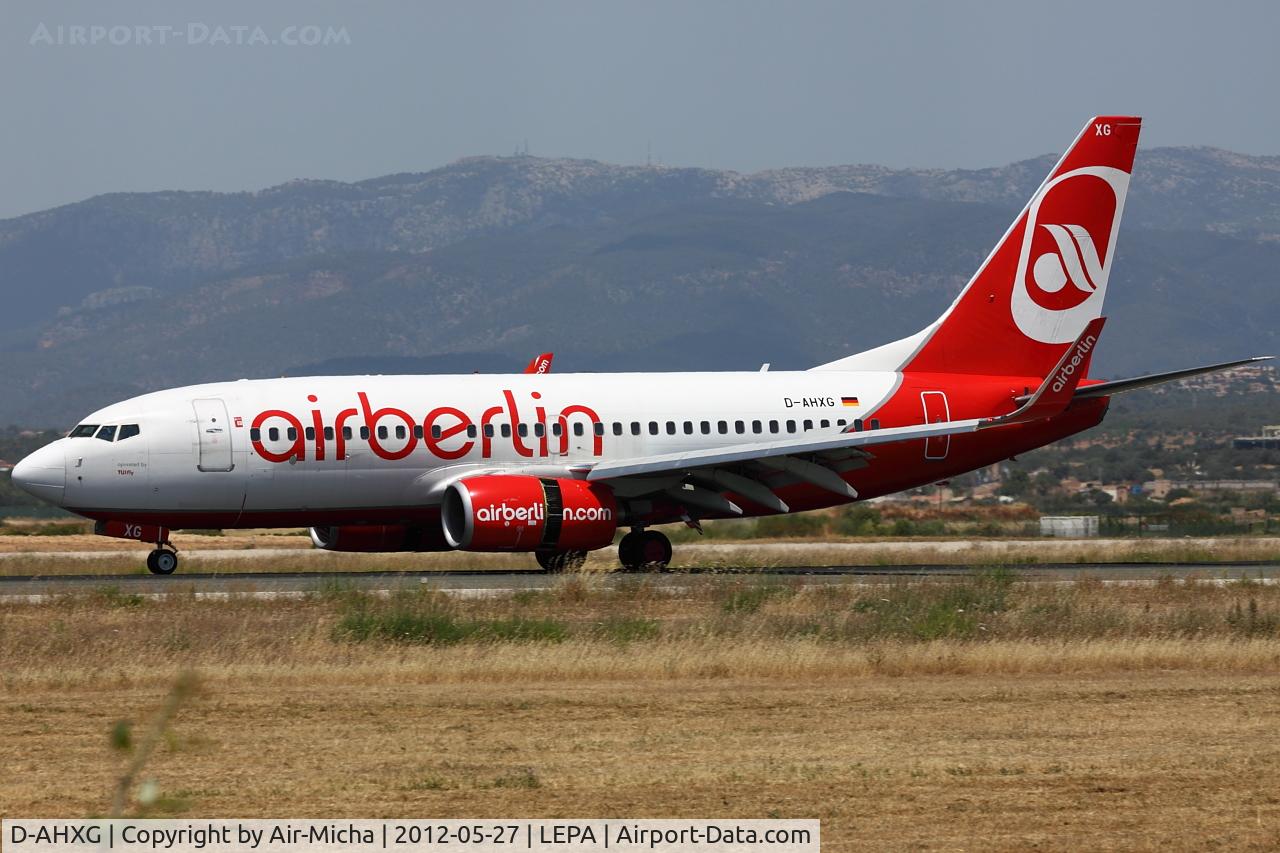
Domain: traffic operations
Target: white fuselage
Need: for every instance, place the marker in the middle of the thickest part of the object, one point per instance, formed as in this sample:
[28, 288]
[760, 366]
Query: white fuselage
[226, 450]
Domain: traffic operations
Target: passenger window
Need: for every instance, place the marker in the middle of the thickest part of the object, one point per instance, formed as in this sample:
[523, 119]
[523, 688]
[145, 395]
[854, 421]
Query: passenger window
[364, 433]
[705, 426]
[471, 430]
[436, 432]
[382, 432]
[773, 426]
[401, 432]
[328, 433]
[808, 425]
[671, 427]
[756, 427]
[617, 427]
[310, 433]
[875, 423]
[840, 421]
[577, 429]
[346, 433]
[824, 423]
[739, 427]
[791, 426]
[598, 428]
[127, 431]
[722, 427]
[539, 430]
[107, 433]
[857, 424]
[488, 430]
[653, 427]
[522, 430]
[635, 427]
[417, 431]
[255, 434]
[273, 434]
[557, 428]
[84, 431]
[292, 434]
[506, 430]
[688, 427]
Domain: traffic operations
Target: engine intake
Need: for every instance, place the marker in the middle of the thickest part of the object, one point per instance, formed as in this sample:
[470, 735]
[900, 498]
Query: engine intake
[378, 538]
[499, 512]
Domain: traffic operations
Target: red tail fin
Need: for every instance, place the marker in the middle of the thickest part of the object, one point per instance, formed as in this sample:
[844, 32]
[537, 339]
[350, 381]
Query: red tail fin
[1046, 278]
[540, 364]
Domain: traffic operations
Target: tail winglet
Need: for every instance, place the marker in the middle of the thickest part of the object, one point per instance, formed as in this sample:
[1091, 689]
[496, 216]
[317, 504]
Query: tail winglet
[1059, 387]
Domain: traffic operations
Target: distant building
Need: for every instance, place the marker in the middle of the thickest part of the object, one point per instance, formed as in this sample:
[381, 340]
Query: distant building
[1269, 440]
[1159, 489]
[1069, 526]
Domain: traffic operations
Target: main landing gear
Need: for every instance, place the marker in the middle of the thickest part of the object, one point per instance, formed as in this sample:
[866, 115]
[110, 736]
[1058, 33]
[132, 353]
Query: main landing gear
[163, 561]
[639, 551]
[644, 550]
[553, 562]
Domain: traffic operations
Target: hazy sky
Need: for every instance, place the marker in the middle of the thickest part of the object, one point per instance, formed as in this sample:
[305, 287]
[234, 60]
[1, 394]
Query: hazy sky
[740, 85]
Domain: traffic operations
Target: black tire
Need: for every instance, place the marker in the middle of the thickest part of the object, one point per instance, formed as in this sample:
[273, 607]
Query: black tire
[162, 562]
[554, 562]
[644, 551]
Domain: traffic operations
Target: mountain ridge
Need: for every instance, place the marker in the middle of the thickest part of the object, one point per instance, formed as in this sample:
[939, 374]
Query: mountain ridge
[675, 269]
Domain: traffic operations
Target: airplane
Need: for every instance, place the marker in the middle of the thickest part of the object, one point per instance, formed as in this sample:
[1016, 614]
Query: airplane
[558, 464]
[541, 363]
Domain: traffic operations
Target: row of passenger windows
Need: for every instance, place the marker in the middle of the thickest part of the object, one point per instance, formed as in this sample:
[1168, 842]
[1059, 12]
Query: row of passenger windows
[109, 432]
[579, 429]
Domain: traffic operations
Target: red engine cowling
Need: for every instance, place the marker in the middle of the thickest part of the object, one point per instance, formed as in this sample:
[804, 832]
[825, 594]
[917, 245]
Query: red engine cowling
[498, 512]
[378, 538]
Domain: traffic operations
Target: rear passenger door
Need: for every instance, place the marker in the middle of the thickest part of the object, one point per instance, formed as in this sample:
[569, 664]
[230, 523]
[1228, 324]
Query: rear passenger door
[936, 411]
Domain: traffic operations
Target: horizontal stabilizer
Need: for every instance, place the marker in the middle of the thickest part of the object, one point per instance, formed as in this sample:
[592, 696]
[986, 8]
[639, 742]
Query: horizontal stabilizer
[1119, 386]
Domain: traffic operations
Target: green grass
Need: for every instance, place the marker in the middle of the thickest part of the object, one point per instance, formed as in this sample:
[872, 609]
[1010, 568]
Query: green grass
[425, 619]
[750, 597]
[623, 630]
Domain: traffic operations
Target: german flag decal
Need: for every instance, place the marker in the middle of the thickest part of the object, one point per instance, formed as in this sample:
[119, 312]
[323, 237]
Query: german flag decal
[849, 401]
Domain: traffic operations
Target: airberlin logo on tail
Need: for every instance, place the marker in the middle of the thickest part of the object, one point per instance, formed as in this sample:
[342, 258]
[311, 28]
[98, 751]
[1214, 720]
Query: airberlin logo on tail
[1075, 262]
[1067, 243]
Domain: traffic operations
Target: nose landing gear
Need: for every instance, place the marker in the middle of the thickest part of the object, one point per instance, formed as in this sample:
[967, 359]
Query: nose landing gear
[163, 561]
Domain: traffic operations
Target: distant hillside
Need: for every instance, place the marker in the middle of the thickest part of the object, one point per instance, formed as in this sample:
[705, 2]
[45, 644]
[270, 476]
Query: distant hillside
[614, 267]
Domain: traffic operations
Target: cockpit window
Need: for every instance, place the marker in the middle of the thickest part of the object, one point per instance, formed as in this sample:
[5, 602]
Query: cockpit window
[84, 431]
[107, 433]
[127, 431]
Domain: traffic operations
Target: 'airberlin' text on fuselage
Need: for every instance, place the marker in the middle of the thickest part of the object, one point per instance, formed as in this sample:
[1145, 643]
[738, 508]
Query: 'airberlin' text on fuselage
[446, 432]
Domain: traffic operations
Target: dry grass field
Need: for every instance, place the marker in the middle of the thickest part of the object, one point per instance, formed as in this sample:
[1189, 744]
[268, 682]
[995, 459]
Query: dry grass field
[981, 713]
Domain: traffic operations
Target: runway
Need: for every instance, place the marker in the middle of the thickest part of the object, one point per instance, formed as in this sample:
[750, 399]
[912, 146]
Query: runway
[35, 588]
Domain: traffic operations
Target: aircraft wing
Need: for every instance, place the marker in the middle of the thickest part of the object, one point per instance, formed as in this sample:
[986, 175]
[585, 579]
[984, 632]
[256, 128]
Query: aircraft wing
[683, 461]
[719, 469]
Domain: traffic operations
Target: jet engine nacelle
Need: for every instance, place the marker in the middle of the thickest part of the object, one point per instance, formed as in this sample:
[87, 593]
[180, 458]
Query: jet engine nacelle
[378, 538]
[499, 512]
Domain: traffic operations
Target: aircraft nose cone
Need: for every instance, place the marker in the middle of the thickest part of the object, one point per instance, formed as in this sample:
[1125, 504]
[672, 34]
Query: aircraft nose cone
[43, 473]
